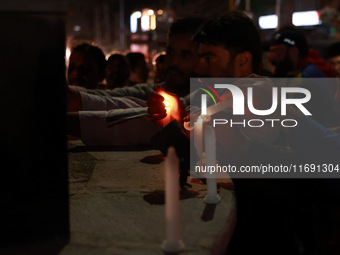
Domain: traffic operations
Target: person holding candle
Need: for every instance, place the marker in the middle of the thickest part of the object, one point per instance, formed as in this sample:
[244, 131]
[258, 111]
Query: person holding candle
[222, 52]
[180, 62]
[265, 223]
[88, 109]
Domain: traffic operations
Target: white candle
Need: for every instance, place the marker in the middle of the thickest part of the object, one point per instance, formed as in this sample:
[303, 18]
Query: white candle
[166, 120]
[173, 242]
[211, 110]
[198, 138]
[210, 156]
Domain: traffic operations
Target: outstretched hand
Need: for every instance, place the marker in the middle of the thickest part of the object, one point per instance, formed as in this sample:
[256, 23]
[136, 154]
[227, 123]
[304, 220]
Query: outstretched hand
[161, 103]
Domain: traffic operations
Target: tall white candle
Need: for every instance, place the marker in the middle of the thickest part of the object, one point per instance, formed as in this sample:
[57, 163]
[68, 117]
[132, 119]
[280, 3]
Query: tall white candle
[173, 242]
[198, 136]
[210, 156]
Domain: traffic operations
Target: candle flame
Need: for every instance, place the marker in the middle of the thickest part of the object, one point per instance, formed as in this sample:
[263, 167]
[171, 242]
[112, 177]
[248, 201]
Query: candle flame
[168, 99]
[170, 102]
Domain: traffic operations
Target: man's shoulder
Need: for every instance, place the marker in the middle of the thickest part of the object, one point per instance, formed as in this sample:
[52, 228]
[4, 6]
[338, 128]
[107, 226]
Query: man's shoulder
[312, 71]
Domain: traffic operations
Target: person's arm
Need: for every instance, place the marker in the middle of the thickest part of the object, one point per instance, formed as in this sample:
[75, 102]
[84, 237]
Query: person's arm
[104, 103]
[140, 91]
[80, 100]
[92, 128]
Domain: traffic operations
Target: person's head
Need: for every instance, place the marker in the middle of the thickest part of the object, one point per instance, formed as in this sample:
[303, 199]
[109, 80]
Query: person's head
[117, 71]
[181, 55]
[139, 71]
[86, 66]
[334, 56]
[229, 46]
[287, 48]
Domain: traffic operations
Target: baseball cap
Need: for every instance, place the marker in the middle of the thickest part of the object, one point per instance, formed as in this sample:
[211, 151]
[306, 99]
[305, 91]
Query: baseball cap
[289, 36]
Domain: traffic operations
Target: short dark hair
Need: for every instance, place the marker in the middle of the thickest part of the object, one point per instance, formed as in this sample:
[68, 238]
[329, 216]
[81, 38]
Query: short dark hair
[116, 56]
[333, 50]
[122, 62]
[95, 52]
[236, 32]
[187, 25]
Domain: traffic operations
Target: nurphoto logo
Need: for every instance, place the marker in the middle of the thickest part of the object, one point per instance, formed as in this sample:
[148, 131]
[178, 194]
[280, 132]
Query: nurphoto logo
[239, 102]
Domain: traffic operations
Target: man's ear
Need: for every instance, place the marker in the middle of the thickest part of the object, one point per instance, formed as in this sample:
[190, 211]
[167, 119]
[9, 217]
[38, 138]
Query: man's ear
[243, 64]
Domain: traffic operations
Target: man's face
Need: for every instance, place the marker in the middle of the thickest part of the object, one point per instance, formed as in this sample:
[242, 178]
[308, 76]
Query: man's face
[279, 57]
[180, 61]
[277, 54]
[83, 71]
[142, 71]
[116, 74]
[335, 63]
[214, 61]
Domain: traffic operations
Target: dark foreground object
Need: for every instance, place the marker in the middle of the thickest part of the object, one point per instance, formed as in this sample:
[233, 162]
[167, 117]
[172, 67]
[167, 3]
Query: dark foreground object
[33, 150]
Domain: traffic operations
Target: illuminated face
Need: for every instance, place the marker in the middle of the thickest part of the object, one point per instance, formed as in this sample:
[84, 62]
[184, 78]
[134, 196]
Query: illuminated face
[335, 63]
[180, 61]
[83, 71]
[214, 61]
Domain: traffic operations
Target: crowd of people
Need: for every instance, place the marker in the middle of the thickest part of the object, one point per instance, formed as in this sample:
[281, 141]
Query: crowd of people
[89, 68]
[274, 216]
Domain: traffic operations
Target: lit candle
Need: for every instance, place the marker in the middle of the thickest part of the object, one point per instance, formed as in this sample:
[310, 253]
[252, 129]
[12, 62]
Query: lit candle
[166, 120]
[173, 242]
[210, 155]
[198, 139]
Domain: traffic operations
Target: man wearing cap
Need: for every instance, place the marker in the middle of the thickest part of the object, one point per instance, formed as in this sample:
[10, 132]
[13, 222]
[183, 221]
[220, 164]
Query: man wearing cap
[290, 54]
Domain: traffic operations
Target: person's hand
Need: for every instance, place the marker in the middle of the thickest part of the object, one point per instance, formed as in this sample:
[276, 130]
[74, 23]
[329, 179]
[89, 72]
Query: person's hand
[156, 107]
[159, 101]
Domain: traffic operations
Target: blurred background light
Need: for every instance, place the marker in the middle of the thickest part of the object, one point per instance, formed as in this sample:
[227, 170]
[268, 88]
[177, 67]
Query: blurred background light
[134, 21]
[308, 18]
[268, 22]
